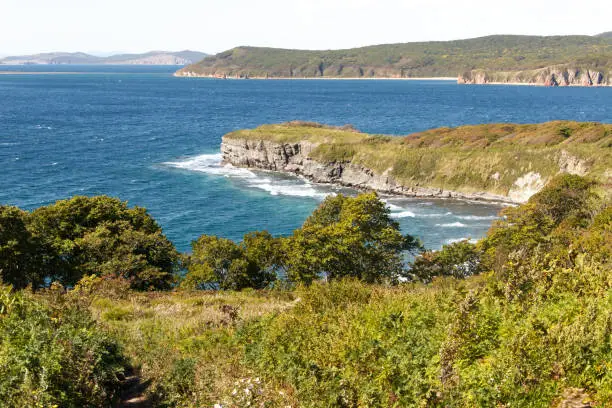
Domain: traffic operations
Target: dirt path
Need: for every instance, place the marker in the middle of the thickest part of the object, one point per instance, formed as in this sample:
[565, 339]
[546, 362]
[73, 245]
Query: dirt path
[133, 392]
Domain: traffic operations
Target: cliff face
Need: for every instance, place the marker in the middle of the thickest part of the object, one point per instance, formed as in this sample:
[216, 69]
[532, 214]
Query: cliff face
[295, 158]
[502, 162]
[551, 76]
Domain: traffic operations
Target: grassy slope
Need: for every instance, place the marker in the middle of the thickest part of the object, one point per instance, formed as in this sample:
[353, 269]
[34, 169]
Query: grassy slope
[461, 159]
[185, 343]
[425, 59]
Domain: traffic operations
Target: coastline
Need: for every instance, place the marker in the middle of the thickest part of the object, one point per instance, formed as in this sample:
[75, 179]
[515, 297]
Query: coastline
[179, 74]
[478, 197]
[192, 75]
[294, 159]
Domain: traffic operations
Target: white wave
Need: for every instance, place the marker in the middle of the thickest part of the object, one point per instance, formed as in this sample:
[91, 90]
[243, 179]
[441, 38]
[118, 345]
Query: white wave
[394, 207]
[455, 240]
[477, 217]
[304, 190]
[403, 214]
[452, 225]
[211, 164]
[43, 127]
[435, 215]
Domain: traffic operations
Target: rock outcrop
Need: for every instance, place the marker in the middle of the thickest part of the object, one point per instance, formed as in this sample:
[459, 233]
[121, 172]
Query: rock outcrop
[550, 76]
[295, 158]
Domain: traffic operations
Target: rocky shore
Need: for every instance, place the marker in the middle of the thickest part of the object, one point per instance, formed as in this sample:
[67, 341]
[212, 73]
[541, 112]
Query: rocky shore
[295, 158]
[550, 76]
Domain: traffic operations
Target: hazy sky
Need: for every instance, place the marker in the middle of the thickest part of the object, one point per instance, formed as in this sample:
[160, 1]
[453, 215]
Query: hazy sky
[32, 26]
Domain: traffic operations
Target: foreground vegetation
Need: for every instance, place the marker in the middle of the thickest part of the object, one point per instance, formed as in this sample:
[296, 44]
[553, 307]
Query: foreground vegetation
[425, 59]
[482, 158]
[523, 318]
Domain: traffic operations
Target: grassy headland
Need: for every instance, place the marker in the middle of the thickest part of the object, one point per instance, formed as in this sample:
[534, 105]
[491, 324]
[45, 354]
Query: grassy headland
[498, 53]
[482, 158]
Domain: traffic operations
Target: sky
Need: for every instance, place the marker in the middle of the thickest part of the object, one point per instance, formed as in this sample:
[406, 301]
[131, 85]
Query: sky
[108, 26]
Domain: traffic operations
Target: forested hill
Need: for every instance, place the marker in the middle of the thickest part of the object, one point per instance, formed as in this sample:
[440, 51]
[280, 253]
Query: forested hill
[499, 53]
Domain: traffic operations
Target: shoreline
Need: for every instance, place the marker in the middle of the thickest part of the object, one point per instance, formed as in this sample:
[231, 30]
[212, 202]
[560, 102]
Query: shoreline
[447, 79]
[188, 75]
[479, 198]
[293, 159]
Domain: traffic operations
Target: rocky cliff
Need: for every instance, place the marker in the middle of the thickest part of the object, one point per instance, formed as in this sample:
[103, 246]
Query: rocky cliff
[550, 76]
[295, 158]
[499, 162]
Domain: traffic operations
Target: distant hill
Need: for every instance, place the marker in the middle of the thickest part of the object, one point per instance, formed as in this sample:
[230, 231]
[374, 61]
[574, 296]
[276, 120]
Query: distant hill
[510, 54]
[605, 35]
[149, 58]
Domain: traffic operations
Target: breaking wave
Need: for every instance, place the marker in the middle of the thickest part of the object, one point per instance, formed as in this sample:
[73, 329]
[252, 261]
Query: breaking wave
[452, 225]
[477, 217]
[403, 214]
[455, 240]
[211, 164]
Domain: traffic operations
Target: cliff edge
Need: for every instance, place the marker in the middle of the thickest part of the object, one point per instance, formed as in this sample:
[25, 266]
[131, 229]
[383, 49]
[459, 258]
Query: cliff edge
[504, 162]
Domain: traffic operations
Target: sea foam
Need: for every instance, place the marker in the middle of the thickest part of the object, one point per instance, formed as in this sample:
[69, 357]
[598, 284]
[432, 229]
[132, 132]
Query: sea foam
[452, 225]
[403, 214]
[455, 240]
[211, 164]
[477, 217]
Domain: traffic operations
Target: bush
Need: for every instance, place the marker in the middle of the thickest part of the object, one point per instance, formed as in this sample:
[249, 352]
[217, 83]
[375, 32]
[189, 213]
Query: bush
[54, 355]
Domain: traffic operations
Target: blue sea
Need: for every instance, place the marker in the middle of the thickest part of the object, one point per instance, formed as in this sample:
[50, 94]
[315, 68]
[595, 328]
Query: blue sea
[140, 134]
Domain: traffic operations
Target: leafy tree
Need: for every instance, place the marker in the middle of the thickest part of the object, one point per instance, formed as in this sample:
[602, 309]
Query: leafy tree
[19, 260]
[102, 235]
[222, 262]
[263, 249]
[348, 237]
[459, 260]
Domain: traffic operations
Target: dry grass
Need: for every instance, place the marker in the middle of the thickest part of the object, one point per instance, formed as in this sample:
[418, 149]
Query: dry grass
[164, 332]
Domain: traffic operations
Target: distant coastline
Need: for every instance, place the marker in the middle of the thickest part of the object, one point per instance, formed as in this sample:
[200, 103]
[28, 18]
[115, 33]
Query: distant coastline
[180, 74]
[187, 74]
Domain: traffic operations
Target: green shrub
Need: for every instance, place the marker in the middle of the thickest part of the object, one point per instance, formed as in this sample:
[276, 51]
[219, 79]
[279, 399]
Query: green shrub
[54, 355]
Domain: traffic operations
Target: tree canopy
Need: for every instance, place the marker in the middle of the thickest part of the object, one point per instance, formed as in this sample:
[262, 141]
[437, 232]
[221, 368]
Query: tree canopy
[83, 236]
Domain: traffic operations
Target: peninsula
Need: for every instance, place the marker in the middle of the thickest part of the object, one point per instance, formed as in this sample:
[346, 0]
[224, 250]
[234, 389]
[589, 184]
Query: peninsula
[498, 162]
[511, 59]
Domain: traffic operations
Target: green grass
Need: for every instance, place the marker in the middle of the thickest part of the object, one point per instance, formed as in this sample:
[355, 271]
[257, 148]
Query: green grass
[425, 59]
[476, 158]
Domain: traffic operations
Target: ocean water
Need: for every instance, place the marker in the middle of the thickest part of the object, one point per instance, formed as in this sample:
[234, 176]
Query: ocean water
[140, 134]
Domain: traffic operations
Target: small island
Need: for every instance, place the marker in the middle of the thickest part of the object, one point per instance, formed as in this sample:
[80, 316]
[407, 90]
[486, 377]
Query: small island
[498, 162]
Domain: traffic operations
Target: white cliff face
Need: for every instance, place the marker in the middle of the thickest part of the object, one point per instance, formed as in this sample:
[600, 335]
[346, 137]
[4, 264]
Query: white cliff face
[295, 158]
[526, 186]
